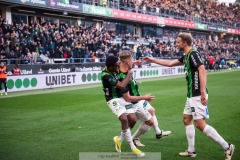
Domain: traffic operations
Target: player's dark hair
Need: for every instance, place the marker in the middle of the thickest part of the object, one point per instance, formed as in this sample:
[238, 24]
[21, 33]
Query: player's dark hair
[111, 61]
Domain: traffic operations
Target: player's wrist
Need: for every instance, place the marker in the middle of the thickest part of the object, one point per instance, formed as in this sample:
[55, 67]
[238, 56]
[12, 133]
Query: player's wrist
[202, 92]
[152, 59]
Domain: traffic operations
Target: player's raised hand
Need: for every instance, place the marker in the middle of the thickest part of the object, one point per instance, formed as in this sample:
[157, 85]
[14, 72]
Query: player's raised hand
[137, 62]
[149, 97]
[147, 59]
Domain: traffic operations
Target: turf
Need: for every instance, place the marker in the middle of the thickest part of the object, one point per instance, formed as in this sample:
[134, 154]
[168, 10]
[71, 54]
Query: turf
[57, 124]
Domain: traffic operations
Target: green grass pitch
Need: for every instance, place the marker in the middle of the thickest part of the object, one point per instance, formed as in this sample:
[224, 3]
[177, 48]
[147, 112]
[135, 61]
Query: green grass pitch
[57, 124]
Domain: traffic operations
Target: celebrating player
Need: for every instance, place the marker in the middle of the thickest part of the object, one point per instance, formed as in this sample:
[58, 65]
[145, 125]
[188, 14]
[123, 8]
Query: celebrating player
[142, 108]
[114, 90]
[197, 96]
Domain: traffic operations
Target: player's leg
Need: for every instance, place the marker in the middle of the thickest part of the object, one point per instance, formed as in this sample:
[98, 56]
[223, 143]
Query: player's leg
[118, 107]
[159, 133]
[155, 126]
[144, 116]
[211, 132]
[190, 134]
[130, 111]
[214, 135]
[190, 131]
[1, 86]
[119, 111]
[5, 85]
[131, 119]
[142, 129]
[126, 133]
[199, 116]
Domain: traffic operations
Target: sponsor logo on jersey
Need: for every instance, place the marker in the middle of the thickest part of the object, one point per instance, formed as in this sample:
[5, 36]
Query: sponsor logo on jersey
[196, 80]
[194, 60]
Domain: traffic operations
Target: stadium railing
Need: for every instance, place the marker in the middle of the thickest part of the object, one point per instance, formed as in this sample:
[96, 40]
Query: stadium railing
[85, 60]
[52, 61]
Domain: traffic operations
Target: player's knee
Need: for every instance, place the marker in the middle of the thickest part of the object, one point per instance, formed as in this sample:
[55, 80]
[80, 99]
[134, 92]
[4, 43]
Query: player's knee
[123, 118]
[131, 117]
[149, 122]
[200, 124]
[186, 120]
[132, 124]
[151, 111]
[132, 120]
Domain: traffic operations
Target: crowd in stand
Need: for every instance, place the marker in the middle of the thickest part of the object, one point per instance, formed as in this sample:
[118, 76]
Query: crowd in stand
[204, 11]
[43, 40]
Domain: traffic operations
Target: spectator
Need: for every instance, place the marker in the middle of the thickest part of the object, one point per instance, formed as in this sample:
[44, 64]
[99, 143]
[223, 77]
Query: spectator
[16, 70]
[211, 63]
[45, 59]
[3, 77]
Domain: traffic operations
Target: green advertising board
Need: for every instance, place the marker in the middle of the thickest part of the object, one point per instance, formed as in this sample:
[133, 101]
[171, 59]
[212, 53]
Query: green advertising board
[201, 26]
[96, 10]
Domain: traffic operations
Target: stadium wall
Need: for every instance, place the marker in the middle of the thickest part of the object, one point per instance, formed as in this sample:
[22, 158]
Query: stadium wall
[44, 81]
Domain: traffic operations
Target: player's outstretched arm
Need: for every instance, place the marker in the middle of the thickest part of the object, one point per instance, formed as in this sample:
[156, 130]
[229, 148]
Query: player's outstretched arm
[137, 62]
[129, 98]
[125, 81]
[162, 62]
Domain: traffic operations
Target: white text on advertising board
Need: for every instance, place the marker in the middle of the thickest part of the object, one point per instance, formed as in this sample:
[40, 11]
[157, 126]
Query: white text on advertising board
[59, 70]
[168, 71]
[60, 79]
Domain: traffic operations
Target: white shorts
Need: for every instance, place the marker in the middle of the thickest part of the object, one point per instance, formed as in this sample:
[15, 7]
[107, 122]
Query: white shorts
[149, 106]
[141, 111]
[117, 105]
[195, 108]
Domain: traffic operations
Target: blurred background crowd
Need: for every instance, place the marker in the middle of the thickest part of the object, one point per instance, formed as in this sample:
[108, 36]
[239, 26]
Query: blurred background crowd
[41, 40]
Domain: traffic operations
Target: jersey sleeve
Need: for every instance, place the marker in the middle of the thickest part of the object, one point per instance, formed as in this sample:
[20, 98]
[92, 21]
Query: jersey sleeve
[195, 59]
[109, 80]
[181, 59]
[124, 90]
[122, 76]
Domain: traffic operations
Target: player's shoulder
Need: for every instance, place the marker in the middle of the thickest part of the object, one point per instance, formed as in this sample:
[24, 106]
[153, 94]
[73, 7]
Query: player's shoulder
[105, 75]
[195, 57]
[194, 51]
[122, 74]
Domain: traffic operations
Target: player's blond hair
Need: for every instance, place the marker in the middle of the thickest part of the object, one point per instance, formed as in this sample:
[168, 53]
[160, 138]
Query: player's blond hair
[123, 55]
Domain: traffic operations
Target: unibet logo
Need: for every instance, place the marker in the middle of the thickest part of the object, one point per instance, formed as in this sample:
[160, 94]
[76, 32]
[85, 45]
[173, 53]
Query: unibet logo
[19, 83]
[180, 70]
[147, 73]
[91, 77]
